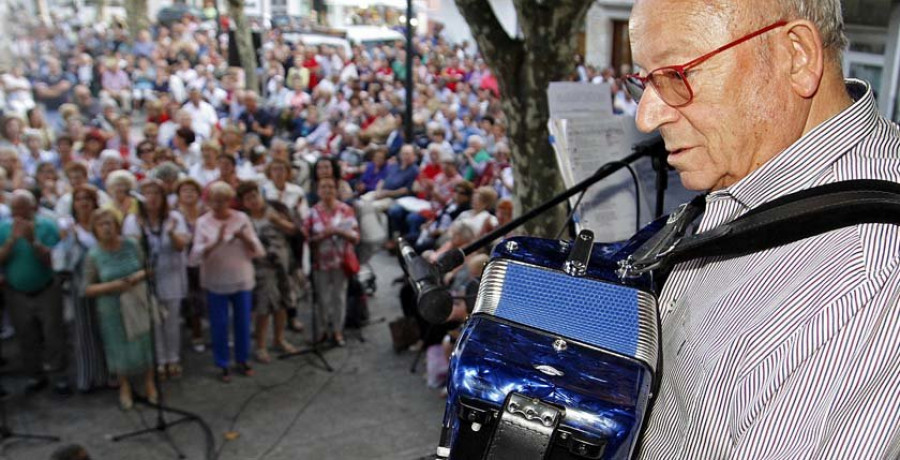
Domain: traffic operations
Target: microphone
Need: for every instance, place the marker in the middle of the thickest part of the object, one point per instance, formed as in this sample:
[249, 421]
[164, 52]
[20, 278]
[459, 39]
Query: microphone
[434, 300]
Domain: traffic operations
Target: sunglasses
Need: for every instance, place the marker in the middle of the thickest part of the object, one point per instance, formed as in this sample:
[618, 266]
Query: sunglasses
[671, 82]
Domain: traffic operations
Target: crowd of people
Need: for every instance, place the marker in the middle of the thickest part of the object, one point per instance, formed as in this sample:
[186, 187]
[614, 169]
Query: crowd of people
[147, 191]
[144, 165]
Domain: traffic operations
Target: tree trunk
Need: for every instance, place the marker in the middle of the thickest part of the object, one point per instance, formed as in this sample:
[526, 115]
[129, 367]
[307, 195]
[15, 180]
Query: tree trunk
[40, 6]
[524, 68]
[136, 15]
[244, 39]
[100, 12]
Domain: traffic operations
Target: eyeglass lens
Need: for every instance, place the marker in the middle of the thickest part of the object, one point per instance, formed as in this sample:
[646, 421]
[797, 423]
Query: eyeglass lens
[670, 84]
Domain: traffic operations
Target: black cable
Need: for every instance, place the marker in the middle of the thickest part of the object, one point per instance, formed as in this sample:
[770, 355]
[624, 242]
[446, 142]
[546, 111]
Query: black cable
[262, 390]
[305, 406]
[637, 200]
[571, 214]
[637, 194]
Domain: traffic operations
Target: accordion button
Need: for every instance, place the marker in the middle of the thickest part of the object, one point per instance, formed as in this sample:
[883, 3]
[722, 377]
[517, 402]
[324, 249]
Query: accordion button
[560, 345]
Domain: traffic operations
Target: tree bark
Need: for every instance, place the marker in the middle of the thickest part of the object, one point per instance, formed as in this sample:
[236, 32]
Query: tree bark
[100, 12]
[524, 68]
[136, 16]
[244, 39]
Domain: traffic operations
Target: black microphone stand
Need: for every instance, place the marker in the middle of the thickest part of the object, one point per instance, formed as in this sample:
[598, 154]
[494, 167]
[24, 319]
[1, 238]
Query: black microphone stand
[162, 425]
[315, 348]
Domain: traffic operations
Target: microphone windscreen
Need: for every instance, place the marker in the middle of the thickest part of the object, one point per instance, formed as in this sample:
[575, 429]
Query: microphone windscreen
[435, 305]
[449, 260]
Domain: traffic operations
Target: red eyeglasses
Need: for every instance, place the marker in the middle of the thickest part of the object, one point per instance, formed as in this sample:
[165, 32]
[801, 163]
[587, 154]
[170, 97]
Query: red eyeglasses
[671, 82]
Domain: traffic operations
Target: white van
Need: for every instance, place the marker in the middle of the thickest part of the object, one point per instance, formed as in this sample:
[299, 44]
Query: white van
[314, 39]
[372, 36]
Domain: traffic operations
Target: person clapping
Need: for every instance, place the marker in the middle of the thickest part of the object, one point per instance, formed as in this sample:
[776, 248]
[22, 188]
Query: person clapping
[225, 245]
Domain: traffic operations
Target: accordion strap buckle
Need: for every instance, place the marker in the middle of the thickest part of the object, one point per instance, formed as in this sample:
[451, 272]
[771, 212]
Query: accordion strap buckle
[525, 429]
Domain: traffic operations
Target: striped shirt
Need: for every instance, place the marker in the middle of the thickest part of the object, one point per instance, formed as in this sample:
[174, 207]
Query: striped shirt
[792, 352]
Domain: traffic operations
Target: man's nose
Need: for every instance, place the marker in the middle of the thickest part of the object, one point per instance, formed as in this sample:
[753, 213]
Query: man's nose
[653, 112]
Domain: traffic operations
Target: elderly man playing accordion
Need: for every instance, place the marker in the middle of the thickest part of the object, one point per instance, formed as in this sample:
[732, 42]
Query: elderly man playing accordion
[789, 352]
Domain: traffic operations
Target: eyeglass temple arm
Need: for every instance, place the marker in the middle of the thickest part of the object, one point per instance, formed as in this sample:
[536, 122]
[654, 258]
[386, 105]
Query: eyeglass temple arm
[731, 45]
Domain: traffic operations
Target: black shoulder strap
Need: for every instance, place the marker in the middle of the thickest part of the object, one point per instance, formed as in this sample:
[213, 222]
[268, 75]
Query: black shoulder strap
[787, 219]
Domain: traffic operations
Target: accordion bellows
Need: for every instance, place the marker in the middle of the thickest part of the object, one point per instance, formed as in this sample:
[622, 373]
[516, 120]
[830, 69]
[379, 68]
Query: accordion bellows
[587, 345]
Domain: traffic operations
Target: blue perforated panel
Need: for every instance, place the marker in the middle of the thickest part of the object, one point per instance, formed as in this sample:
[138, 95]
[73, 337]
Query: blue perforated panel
[596, 313]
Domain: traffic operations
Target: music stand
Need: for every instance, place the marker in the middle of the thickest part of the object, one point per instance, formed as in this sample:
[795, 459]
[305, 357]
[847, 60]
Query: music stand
[315, 348]
[162, 425]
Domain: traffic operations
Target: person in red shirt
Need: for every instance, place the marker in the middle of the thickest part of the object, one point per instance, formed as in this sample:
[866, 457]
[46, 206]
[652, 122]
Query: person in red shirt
[453, 74]
[429, 171]
[315, 69]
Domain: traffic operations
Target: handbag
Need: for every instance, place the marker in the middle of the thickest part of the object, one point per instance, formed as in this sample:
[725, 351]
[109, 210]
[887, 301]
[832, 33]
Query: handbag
[140, 310]
[350, 262]
[404, 332]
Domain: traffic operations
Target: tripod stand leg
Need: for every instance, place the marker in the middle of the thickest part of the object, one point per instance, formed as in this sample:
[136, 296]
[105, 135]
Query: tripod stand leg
[324, 361]
[6, 434]
[416, 359]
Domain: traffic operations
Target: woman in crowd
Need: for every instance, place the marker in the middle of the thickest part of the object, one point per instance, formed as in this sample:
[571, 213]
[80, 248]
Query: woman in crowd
[375, 171]
[191, 208]
[164, 236]
[278, 188]
[225, 245]
[15, 175]
[329, 168]
[228, 169]
[431, 232]
[38, 122]
[77, 240]
[121, 184]
[206, 170]
[77, 175]
[332, 232]
[48, 184]
[479, 218]
[113, 267]
[272, 293]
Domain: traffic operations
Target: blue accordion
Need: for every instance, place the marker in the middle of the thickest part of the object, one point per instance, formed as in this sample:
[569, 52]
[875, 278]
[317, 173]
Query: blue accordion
[557, 360]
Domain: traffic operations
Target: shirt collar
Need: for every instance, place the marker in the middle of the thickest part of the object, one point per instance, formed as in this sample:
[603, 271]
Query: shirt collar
[800, 165]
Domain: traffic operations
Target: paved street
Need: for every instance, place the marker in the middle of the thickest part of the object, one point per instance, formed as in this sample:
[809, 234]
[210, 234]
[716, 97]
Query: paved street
[371, 407]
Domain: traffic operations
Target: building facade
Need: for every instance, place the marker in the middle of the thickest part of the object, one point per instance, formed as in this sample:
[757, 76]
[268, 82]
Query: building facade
[873, 27]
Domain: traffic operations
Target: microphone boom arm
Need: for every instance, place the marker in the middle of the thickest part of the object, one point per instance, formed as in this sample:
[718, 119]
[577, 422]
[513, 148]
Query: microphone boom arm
[452, 259]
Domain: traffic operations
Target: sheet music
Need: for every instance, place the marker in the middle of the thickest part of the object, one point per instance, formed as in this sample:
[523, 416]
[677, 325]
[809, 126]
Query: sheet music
[585, 136]
[572, 99]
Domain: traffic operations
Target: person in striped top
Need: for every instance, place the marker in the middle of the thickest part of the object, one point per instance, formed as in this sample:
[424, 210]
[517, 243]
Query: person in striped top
[791, 352]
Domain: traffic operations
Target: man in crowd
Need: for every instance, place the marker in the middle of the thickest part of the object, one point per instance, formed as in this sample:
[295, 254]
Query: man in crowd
[789, 352]
[32, 294]
[256, 119]
[52, 89]
[203, 115]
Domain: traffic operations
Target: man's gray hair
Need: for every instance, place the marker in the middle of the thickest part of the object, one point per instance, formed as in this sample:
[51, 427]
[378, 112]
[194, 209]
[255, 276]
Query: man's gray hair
[827, 15]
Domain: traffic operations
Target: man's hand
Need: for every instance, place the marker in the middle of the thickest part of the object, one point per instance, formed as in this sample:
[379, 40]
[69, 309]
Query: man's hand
[23, 228]
[29, 231]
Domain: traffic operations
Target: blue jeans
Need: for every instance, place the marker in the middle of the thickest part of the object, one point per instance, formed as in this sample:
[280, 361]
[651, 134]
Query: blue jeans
[414, 223]
[396, 220]
[242, 301]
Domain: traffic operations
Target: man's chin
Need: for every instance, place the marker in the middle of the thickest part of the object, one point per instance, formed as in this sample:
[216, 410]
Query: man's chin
[693, 181]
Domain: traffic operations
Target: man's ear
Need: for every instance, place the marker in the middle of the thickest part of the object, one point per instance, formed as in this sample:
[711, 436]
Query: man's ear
[807, 57]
